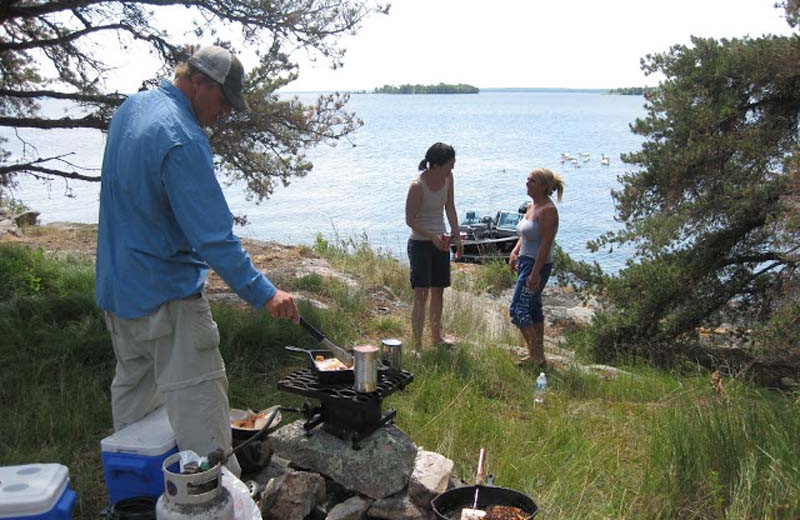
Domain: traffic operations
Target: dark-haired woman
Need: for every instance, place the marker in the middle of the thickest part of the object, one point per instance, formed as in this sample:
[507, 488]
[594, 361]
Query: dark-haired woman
[532, 259]
[429, 243]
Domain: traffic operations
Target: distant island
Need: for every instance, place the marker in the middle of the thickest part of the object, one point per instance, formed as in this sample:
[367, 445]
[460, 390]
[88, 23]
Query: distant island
[547, 90]
[630, 91]
[441, 88]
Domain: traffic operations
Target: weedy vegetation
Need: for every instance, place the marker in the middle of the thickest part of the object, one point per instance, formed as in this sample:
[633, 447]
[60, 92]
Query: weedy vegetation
[649, 444]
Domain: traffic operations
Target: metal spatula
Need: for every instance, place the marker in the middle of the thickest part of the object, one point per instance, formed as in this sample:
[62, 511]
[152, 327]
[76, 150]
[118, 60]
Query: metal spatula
[340, 353]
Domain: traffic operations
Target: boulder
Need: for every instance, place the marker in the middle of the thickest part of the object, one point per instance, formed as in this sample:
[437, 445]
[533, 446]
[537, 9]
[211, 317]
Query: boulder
[431, 474]
[298, 493]
[354, 508]
[569, 317]
[381, 467]
[29, 218]
[7, 225]
[269, 480]
[399, 507]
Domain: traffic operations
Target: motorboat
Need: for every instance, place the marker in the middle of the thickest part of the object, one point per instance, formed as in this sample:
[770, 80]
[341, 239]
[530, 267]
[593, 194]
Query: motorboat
[488, 236]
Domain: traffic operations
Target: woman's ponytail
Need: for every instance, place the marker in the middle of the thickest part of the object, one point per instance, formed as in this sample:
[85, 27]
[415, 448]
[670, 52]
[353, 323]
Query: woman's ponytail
[558, 186]
[437, 155]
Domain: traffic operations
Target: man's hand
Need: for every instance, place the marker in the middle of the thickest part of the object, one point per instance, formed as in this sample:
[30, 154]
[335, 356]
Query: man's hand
[282, 306]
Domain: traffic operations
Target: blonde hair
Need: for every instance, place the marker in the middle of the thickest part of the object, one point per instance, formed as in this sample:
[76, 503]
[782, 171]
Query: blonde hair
[186, 71]
[553, 181]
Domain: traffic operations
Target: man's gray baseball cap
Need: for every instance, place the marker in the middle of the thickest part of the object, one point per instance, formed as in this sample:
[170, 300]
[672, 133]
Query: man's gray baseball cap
[223, 67]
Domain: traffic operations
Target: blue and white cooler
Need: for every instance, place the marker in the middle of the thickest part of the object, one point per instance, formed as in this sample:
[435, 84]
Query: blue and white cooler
[132, 457]
[36, 492]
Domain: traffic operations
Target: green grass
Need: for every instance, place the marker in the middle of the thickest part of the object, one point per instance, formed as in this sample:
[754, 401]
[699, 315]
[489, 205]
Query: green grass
[651, 444]
[375, 268]
[493, 278]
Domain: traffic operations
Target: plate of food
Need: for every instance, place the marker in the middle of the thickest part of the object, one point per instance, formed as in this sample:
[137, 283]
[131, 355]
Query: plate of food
[248, 420]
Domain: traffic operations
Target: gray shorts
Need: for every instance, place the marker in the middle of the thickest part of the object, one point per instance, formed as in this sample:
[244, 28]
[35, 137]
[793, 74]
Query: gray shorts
[171, 357]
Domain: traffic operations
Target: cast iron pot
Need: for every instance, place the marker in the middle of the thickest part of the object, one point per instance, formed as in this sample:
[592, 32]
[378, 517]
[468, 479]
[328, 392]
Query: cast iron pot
[448, 505]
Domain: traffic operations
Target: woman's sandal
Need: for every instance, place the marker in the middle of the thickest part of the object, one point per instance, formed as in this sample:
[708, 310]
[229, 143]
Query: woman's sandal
[526, 361]
[446, 341]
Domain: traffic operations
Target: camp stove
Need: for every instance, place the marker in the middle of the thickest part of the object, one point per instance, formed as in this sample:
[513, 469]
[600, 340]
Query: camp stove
[349, 415]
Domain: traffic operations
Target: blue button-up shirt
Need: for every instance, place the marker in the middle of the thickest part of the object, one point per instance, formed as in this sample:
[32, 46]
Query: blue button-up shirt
[163, 217]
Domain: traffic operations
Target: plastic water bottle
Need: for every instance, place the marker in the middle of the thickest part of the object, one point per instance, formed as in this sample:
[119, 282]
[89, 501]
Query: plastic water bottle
[541, 388]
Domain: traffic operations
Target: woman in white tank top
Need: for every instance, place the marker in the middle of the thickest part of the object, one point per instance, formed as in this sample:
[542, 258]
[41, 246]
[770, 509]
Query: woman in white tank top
[429, 244]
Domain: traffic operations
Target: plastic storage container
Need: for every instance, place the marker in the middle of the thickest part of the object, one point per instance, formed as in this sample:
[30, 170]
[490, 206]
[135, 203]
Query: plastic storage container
[36, 492]
[132, 457]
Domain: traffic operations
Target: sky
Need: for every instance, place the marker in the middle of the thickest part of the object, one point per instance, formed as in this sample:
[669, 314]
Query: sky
[530, 43]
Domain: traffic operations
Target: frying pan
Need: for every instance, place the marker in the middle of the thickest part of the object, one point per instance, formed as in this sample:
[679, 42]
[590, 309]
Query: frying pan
[340, 353]
[325, 376]
[451, 502]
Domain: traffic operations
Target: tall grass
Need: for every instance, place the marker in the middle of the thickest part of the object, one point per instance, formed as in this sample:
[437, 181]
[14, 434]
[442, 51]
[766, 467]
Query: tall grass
[740, 457]
[493, 278]
[57, 367]
[356, 256]
[651, 444]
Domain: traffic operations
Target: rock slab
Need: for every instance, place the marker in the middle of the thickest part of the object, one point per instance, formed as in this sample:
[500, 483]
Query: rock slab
[431, 474]
[398, 507]
[380, 468]
[354, 508]
[299, 493]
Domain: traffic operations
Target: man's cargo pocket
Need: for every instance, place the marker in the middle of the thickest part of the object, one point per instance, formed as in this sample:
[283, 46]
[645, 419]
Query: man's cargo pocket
[153, 326]
[205, 334]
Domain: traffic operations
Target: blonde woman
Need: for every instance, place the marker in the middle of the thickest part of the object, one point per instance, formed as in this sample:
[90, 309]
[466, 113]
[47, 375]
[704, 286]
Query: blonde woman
[532, 259]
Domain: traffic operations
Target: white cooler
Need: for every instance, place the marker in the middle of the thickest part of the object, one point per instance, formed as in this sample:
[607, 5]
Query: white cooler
[132, 457]
[36, 492]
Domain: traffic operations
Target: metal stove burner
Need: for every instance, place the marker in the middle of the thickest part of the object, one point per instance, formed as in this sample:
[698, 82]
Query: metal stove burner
[344, 412]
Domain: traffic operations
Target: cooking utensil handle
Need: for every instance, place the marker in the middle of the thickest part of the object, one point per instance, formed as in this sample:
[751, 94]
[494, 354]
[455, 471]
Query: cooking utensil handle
[481, 463]
[311, 330]
[297, 349]
[338, 352]
[256, 435]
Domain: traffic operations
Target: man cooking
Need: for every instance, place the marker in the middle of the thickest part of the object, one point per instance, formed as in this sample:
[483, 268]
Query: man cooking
[163, 221]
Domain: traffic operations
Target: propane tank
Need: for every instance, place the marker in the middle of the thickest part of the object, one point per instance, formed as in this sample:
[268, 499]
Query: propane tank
[199, 496]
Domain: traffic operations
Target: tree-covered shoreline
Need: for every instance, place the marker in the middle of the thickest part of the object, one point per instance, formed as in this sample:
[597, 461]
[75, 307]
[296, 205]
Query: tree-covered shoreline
[631, 91]
[441, 88]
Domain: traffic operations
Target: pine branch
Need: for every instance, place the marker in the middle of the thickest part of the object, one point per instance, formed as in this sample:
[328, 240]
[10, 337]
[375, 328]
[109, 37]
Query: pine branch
[31, 167]
[66, 122]
[112, 99]
[35, 44]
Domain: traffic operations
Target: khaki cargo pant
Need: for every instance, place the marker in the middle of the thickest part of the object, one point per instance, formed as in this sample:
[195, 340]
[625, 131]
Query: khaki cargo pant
[171, 357]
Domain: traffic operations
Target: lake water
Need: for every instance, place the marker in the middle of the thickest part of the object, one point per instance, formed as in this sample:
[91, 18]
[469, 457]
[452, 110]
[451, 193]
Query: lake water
[360, 190]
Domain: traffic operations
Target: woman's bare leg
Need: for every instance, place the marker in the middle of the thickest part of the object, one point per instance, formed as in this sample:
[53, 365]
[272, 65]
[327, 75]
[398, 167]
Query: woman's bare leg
[435, 314]
[534, 340]
[418, 315]
[538, 342]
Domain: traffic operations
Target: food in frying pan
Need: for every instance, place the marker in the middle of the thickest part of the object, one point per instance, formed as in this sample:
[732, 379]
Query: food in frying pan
[250, 420]
[330, 365]
[505, 513]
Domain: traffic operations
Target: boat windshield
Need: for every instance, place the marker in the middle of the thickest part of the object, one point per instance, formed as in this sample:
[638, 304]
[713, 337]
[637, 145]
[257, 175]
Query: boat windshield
[508, 220]
[470, 218]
